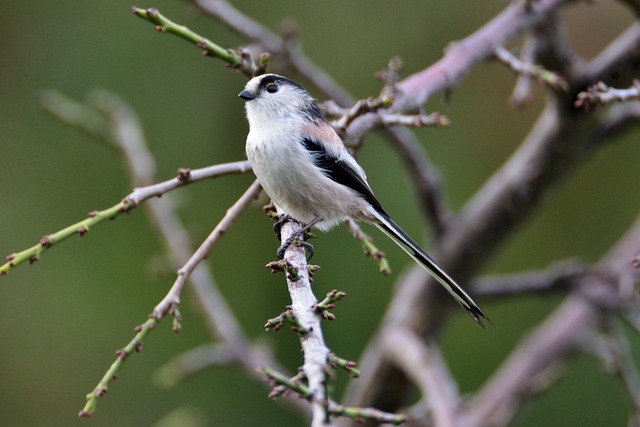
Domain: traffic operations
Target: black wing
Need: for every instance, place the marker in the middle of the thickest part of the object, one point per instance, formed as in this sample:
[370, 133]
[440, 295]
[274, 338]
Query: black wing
[341, 172]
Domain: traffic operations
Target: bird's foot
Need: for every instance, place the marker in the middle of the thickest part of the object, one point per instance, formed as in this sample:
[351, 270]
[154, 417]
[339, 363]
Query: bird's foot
[294, 240]
[295, 237]
[277, 227]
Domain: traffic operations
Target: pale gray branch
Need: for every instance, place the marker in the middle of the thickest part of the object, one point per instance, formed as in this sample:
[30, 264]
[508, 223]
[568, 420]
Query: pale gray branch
[424, 366]
[173, 296]
[462, 56]
[314, 349]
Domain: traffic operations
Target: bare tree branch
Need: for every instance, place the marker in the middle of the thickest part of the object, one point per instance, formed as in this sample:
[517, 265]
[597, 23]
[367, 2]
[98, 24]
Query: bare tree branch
[172, 298]
[314, 349]
[556, 338]
[424, 365]
[462, 56]
[559, 141]
[562, 276]
[600, 94]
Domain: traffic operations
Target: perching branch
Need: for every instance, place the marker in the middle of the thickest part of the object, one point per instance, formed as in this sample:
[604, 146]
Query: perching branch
[315, 351]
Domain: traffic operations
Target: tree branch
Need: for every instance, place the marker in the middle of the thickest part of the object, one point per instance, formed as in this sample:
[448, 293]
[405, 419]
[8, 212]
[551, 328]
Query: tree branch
[462, 56]
[172, 298]
[560, 140]
[241, 60]
[127, 204]
[425, 367]
[314, 349]
[600, 94]
[561, 276]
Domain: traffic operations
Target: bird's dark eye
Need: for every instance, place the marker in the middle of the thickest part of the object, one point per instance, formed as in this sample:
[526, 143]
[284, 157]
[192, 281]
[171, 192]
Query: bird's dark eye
[271, 87]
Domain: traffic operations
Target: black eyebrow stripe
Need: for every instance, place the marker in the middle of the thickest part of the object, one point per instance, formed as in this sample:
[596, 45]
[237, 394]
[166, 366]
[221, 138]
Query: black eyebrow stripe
[341, 172]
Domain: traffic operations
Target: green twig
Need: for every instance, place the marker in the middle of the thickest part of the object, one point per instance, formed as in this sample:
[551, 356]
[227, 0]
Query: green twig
[327, 304]
[348, 365]
[185, 176]
[369, 248]
[294, 384]
[285, 267]
[286, 316]
[135, 345]
[103, 386]
[240, 59]
[80, 228]
[362, 414]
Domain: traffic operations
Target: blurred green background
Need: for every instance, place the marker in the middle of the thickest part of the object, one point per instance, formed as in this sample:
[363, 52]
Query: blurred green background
[63, 318]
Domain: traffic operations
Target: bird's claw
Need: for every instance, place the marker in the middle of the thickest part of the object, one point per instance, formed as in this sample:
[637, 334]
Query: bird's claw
[277, 226]
[294, 240]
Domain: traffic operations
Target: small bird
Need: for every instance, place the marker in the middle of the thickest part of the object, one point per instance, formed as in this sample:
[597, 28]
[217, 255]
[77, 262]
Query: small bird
[306, 169]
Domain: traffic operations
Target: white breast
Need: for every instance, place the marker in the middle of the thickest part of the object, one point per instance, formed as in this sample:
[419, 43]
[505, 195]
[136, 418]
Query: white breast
[289, 177]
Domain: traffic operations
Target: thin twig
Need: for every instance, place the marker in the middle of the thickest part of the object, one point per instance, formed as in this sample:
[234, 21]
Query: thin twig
[281, 383]
[369, 248]
[241, 60]
[547, 77]
[127, 204]
[134, 346]
[173, 296]
[600, 95]
[522, 90]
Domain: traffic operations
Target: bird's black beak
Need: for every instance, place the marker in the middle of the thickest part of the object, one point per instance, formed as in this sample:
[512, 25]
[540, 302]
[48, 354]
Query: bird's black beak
[246, 95]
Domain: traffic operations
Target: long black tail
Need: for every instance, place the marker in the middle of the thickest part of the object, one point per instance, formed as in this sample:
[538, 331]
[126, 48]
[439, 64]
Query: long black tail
[401, 238]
